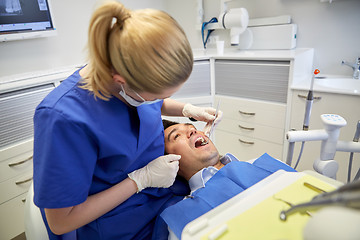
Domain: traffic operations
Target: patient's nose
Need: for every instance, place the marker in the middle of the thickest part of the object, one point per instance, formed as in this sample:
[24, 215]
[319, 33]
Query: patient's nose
[191, 132]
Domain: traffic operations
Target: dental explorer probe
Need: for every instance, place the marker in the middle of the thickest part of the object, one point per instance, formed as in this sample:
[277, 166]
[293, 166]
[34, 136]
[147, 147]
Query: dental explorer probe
[213, 124]
[309, 103]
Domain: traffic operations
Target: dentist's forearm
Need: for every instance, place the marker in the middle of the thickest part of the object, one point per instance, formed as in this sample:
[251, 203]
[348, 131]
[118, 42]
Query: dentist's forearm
[64, 220]
[171, 107]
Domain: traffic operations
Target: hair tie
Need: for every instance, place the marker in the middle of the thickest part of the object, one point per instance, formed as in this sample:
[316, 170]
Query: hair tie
[120, 21]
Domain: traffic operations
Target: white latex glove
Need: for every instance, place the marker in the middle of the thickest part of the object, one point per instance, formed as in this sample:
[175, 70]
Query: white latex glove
[207, 127]
[203, 114]
[160, 172]
[199, 113]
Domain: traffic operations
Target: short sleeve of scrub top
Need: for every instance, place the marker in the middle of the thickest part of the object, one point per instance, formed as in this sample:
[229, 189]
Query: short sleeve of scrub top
[71, 154]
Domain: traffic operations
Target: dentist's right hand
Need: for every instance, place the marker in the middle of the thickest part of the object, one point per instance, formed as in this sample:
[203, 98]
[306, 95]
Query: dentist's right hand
[160, 172]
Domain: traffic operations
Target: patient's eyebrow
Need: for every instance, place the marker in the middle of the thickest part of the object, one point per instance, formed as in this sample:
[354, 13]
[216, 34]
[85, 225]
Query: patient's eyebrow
[175, 129]
[171, 132]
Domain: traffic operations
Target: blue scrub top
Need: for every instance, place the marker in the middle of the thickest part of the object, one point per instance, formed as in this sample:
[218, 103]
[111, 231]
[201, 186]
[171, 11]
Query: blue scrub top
[84, 145]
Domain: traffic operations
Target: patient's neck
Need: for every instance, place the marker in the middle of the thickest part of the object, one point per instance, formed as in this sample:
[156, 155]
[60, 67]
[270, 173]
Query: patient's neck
[218, 165]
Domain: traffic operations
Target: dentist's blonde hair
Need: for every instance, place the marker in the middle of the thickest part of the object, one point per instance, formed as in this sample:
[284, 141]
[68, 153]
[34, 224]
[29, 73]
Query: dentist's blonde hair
[147, 47]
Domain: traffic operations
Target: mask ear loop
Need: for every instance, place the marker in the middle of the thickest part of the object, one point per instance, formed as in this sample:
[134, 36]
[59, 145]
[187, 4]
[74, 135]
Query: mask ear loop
[142, 99]
[213, 20]
[139, 96]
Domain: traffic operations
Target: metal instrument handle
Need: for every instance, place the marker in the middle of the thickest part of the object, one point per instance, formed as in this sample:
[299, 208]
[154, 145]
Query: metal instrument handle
[247, 113]
[246, 142]
[20, 162]
[303, 96]
[246, 128]
[24, 181]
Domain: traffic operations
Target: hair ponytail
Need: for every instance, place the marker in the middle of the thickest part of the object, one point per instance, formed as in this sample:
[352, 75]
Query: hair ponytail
[147, 47]
[101, 26]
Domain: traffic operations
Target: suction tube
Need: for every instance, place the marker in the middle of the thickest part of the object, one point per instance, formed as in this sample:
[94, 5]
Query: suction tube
[309, 103]
[356, 139]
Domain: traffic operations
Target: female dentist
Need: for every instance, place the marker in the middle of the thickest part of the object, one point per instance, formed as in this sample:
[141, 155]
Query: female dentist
[98, 137]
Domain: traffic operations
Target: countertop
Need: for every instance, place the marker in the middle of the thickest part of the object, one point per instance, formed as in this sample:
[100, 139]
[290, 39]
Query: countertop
[232, 53]
[301, 81]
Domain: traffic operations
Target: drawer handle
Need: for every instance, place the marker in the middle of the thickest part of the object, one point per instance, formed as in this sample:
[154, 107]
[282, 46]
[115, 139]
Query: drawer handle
[303, 96]
[246, 128]
[20, 162]
[246, 142]
[247, 113]
[24, 181]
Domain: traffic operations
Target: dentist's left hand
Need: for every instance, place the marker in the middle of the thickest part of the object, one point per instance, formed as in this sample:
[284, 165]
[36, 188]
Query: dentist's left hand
[160, 172]
[206, 114]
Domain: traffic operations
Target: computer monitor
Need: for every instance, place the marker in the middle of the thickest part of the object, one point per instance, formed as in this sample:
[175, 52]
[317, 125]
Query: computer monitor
[23, 19]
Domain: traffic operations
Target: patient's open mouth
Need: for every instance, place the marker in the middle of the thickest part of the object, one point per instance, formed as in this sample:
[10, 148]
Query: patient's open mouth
[200, 141]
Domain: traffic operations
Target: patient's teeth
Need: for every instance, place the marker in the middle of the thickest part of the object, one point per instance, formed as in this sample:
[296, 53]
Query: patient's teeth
[200, 141]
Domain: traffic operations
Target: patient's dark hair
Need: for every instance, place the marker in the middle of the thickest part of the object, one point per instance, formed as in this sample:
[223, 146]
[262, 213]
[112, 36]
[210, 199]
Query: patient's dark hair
[167, 123]
[184, 182]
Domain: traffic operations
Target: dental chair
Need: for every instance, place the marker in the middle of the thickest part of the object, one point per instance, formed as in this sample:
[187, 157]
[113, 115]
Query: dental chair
[34, 225]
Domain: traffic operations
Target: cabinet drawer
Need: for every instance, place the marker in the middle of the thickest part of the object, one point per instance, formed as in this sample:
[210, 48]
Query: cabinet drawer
[252, 130]
[228, 142]
[15, 166]
[15, 186]
[12, 217]
[252, 111]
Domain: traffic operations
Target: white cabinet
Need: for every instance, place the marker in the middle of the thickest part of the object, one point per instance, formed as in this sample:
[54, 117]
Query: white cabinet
[18, 100]
[250, 128]
[253, 96]
[15, 179]
[346, 106]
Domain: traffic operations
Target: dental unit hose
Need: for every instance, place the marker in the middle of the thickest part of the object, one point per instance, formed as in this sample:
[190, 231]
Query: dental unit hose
[203, 29]
[356, 139]
[309, 103]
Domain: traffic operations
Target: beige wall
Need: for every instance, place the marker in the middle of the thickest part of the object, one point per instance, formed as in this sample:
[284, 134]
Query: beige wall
[332, 29]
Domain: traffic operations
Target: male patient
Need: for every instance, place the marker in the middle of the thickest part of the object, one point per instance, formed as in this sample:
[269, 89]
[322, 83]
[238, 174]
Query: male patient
[212, 179]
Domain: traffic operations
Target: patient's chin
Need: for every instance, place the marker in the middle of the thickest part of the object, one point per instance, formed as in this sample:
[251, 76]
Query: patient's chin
[212, 158]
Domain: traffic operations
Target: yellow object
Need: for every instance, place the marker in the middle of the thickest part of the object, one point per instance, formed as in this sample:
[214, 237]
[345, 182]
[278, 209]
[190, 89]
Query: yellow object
[263, 222]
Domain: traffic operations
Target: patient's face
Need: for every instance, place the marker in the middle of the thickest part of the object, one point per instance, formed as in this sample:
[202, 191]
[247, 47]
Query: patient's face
[186, 140]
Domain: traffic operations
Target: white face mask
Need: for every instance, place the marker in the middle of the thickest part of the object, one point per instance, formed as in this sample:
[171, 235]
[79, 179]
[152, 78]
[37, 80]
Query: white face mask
[134, 102]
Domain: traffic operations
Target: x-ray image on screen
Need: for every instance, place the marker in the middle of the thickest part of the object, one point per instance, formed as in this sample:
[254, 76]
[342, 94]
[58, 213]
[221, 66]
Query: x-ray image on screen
[23, 19]
[10, 7]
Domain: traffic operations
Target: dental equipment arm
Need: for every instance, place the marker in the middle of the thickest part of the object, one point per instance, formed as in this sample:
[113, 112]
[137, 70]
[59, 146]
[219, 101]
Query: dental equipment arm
[347, 195]
[325, 165]
[235, 19]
